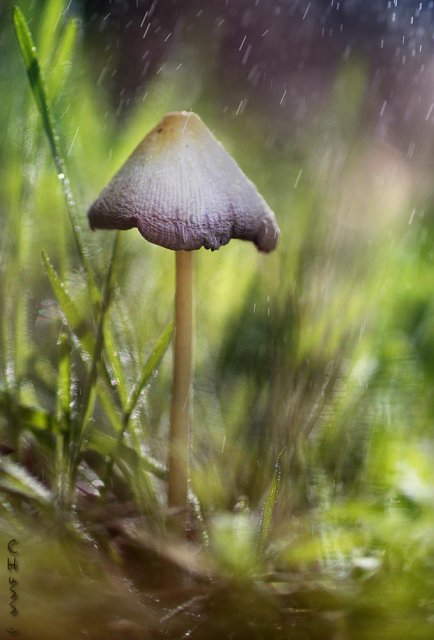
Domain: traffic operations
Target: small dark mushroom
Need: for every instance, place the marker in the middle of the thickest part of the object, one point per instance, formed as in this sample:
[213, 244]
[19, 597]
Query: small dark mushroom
[183, 191]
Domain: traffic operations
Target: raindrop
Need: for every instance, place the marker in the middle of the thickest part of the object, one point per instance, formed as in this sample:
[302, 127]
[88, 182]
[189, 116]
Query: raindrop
[246, 55]
[102, 75]
[411, 150]
[73, 141]
[241, 106]
[307, 11]
[297, 180]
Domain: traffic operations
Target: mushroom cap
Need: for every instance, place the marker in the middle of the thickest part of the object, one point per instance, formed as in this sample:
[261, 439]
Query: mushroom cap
[183, 191]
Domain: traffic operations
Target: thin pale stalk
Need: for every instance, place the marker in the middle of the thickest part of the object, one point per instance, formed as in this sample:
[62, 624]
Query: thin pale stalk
[179, 438]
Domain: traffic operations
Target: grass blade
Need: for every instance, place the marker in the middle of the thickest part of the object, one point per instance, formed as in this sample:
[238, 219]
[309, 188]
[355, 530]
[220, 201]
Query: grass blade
[62, 56]
[75, 437]
[62, 459]
[15, 479]
[151, 364]
[270, 504]
[81, 330]
[67, 306]
[90, 390]
[29, 55]
[31, 63]
[27, 416]
[115, 364]
[108, 445]
[49, 29]
[64, 382]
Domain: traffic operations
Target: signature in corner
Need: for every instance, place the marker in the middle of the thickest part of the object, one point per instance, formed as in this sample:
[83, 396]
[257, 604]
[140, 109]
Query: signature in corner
[13, 582]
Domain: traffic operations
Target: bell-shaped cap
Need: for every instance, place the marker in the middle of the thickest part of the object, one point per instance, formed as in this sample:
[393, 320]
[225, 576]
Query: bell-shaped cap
[183, 191]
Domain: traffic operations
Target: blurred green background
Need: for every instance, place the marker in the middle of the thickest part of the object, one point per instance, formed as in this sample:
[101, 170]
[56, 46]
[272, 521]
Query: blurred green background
[312, 445]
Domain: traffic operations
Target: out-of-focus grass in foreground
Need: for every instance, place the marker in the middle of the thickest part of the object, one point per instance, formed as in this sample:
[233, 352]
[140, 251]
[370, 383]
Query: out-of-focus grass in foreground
[312, 475]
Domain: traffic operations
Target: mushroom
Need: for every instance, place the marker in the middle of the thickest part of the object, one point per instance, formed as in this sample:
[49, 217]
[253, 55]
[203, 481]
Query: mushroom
[183, 191]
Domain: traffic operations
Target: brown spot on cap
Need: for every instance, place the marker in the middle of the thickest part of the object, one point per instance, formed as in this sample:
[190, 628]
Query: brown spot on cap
[183, 191]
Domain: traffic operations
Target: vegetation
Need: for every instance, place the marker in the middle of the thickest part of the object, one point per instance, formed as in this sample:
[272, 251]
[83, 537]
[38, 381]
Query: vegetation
[312, 478]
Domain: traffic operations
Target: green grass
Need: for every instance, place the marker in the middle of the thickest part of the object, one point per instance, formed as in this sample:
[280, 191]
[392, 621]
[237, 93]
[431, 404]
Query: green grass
[312, 478]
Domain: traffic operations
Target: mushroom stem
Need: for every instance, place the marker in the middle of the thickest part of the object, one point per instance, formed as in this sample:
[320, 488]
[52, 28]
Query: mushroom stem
[179, 439]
